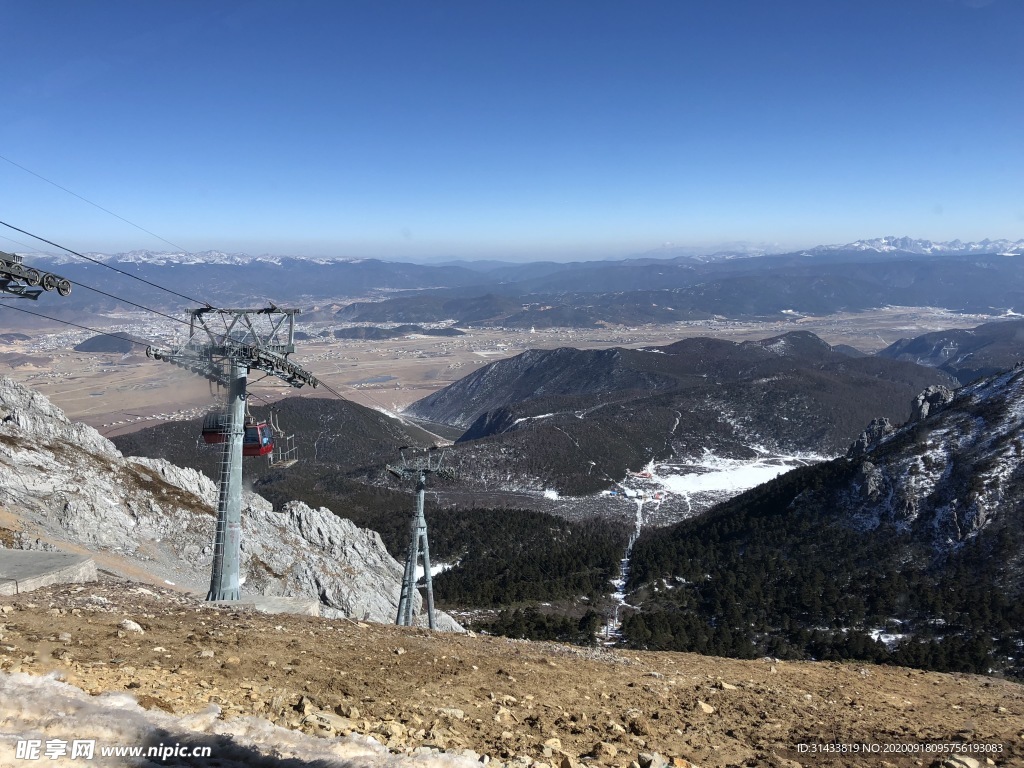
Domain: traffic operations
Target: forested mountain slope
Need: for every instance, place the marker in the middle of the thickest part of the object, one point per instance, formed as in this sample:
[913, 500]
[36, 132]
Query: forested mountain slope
[916, 538]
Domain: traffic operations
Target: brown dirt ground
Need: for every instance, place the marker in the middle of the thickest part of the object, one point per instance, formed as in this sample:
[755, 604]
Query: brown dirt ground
[499, 697]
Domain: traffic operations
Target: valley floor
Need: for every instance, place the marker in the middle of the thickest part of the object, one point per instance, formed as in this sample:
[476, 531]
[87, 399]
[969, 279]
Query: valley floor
[520, 703]
[118, 393]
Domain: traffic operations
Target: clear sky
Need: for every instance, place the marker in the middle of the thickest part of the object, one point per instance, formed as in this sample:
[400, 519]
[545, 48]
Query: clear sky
[511, 129]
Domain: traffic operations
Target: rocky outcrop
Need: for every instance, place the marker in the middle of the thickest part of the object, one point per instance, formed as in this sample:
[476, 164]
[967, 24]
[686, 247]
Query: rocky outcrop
[64, 482]
[870, 437]
[951, 470]
[929, 401]
[346, 567]
[28, 412]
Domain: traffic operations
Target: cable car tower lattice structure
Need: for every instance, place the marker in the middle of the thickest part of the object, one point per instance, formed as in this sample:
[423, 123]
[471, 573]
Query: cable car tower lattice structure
[418, 467]
[223, 346]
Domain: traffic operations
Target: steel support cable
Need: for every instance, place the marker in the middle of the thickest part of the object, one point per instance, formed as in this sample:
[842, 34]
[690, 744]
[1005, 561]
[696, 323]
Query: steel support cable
[132, 303]
[94, 205]
[108, 266]
[330, 389]
[364, 392]
[112, 296]
[26, 245]
[75, 325]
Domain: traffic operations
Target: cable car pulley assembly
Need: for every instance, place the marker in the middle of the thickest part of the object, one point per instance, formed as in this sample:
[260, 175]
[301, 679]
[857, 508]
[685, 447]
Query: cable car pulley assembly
[25, 282]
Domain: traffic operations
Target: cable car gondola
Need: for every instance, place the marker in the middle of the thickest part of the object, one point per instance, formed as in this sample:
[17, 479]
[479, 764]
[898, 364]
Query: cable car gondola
[258, 439]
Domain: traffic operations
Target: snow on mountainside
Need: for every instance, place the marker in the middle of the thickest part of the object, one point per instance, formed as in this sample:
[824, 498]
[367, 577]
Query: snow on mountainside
[577, 420]
[65, 485]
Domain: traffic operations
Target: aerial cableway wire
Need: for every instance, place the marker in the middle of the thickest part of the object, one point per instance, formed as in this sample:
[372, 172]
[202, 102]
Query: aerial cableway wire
[147, 309]
[330, 389]
[80, 284]
[108, 266]
[140, 306]
[104, 333]
[94, 205]
[75, 325]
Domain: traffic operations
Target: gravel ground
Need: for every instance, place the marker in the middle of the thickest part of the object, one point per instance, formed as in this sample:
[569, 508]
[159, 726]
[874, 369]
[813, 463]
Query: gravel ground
[514, 702]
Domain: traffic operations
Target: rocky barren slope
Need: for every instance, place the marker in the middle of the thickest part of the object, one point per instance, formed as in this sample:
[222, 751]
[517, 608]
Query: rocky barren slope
[63, 485]
[515, 703]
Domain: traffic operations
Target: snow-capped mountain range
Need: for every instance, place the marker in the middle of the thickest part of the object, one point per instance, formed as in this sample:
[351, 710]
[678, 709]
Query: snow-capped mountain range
[887, 244]
[172, 258]
[891, 243]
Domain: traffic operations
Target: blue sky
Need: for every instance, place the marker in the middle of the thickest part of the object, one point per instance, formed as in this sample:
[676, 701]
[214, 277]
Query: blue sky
[481, 129]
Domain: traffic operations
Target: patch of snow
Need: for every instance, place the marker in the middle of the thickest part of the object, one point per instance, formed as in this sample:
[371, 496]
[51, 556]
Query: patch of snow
[733, 476]
[889, 639]
[529, 418]
[435, 568]
[47, 709]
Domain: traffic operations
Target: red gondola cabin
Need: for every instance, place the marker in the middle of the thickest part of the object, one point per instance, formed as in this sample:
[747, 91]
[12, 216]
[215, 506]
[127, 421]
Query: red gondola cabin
[258, 440]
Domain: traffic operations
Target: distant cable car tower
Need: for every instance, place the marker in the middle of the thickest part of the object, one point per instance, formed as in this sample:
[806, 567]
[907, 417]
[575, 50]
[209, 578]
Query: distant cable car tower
[418, 467]
[223, 346]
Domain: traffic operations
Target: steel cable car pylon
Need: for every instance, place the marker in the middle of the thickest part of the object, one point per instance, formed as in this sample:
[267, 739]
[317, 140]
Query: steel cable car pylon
[419, 468]
[223, 346]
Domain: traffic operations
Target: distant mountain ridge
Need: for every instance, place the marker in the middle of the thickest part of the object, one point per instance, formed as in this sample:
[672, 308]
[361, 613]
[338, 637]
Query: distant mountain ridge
[966, 353]
[575, 419]
[980, 277]
[891, 244]
[887, 244]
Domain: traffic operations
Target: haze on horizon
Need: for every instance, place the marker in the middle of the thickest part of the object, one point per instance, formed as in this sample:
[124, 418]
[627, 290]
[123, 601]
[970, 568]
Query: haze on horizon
[571, 130]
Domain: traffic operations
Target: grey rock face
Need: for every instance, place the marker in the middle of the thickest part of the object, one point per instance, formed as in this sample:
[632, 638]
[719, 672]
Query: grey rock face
[952, 471]
[927, 402]
[65, 483]
[28, 412]
[870, 437]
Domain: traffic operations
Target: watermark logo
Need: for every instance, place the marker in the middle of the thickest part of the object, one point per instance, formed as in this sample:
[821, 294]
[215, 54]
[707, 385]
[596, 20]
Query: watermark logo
[86, 749]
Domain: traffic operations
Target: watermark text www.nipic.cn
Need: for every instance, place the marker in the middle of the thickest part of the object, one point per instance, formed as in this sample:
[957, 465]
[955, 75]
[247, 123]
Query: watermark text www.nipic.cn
[897, 748]
[86, 749]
